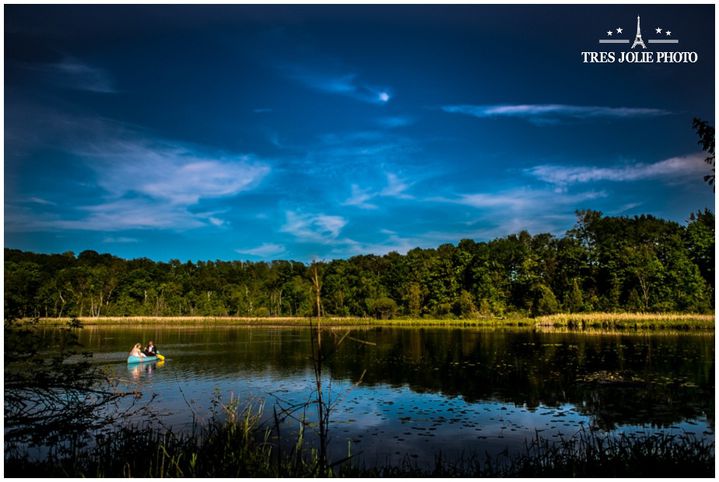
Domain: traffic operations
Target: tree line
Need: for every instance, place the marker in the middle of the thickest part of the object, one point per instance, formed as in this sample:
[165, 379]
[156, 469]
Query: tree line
[603, 263]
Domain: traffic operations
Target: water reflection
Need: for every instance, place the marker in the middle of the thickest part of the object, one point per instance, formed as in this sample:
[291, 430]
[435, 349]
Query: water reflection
[140, 371]
[619, 379]
[430, 389]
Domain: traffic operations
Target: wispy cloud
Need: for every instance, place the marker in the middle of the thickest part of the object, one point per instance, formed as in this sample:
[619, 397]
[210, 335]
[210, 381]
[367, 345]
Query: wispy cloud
[264, 250]
[548, 113]
[144, 182]
[395, 188]
[120, 240]
[352, 154]
[216, 221]
[73, 74]
[522, 199]
[316, 228]
[123, 214]
[110, 216]
[345, 84]
[168, 171]
[689, 166]
[354, 148]
[392, 122]
[41, 201]
[360, 198]
[624, 208]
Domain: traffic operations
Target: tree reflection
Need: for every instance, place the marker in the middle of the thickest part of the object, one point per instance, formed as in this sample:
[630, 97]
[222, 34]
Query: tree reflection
[614, 379]
[658, 379]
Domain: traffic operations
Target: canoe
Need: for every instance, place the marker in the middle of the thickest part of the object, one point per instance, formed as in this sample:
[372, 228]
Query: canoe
[141, 359]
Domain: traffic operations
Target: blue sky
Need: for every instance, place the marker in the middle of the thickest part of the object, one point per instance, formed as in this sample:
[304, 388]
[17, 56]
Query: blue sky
[302, 132]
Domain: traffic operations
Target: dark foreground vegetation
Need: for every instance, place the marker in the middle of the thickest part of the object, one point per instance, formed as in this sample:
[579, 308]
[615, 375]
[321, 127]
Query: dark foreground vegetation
[237, 446]
[604, 263]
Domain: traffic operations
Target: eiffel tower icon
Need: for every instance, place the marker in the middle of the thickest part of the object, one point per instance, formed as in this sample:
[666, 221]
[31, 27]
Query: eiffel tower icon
[638, 39]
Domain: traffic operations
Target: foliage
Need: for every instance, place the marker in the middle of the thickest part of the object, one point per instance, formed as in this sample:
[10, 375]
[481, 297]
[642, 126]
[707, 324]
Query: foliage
[699, 242]
[707, 141]
[603, 263]
[53, 397]
[383, 308]
[574, 301]
[545, 303]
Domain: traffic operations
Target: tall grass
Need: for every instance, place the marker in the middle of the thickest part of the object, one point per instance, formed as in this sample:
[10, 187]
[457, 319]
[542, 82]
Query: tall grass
[289, 321]
[239, 446]
[685, 321]
[617, 321]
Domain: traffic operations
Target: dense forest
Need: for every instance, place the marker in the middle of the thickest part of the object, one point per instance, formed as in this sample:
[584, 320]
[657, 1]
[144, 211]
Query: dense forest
[603, 263]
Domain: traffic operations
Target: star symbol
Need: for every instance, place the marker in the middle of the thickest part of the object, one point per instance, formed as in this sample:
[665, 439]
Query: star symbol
[609, 32]
[619, 30]
[669, 32]
[659, 30]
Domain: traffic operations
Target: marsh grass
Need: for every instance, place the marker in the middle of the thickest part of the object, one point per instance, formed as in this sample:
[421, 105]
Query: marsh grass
[572, 321]
[238, 445]
[632, 321]
[591, 454]
[204, 320]
[587, 454]
[292, 322]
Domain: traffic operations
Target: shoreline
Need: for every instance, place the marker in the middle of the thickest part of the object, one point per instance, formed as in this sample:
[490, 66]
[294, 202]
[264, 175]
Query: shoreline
[573, 322]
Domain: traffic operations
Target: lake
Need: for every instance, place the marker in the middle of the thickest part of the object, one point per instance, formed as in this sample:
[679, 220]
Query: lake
[424, 390]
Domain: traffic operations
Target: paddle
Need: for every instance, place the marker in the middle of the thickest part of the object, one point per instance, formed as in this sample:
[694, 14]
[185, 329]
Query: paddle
[160, 357]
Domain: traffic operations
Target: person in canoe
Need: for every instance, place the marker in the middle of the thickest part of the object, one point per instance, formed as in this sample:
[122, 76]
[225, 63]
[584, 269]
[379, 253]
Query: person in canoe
[137, 351]
[151, 349]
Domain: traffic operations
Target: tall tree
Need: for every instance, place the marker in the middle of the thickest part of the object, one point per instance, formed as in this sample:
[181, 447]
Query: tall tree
[706, 140]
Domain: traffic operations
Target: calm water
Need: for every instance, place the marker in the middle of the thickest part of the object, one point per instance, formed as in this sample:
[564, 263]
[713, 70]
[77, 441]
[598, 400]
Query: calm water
[461, 391]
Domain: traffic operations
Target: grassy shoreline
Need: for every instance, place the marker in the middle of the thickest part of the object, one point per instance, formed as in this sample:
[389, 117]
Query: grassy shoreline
[577, 321]
[286, 321]
[687, 321]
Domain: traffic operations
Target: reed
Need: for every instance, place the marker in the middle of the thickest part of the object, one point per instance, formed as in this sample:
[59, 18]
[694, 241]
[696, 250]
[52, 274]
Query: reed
[241, 447]
[200, 320]
[615, 321]
[685, 321]
[587, 454]
[285, 321]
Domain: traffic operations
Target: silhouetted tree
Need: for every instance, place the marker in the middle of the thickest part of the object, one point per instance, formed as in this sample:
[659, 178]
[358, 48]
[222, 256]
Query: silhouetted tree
[52, 399]
[706, 140]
